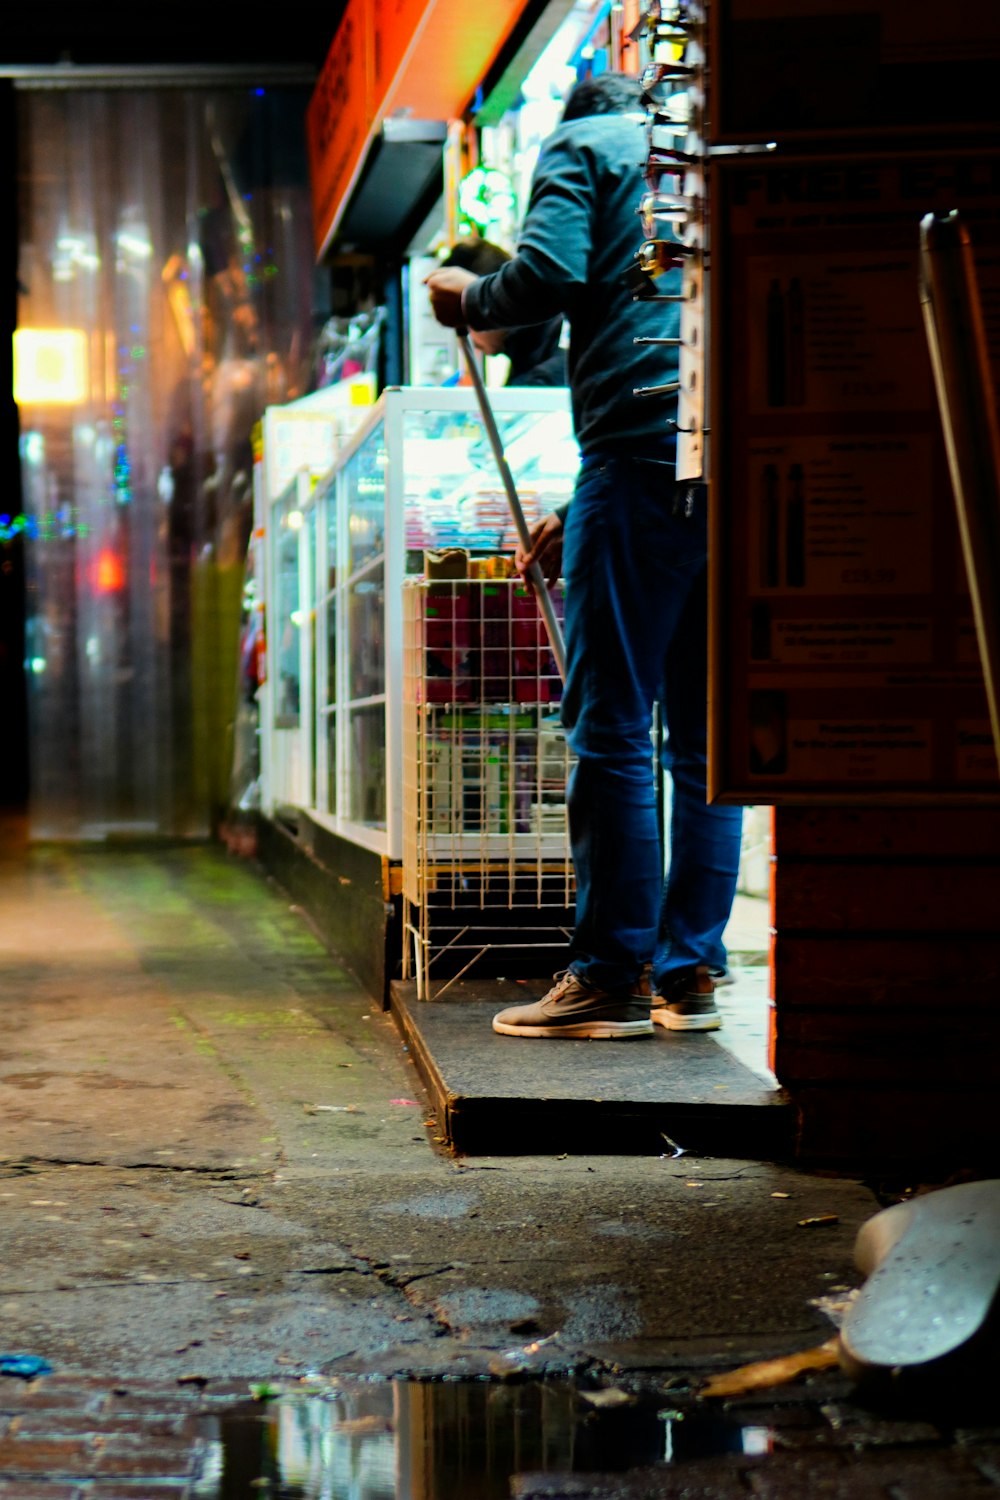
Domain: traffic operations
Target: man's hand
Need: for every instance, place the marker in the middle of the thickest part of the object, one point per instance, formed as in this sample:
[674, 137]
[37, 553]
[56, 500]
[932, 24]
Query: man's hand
[446, 287]
[546, 548]
[490, 341]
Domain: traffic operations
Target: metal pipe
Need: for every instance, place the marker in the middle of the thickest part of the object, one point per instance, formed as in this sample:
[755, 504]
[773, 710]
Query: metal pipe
[956, 337]
[535, 574]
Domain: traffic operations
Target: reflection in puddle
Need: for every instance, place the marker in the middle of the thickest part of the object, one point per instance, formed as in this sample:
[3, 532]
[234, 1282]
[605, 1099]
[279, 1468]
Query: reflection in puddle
[445, 1440]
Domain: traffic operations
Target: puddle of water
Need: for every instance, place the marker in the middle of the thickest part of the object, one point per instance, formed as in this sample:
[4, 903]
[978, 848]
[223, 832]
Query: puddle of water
[445, 1440]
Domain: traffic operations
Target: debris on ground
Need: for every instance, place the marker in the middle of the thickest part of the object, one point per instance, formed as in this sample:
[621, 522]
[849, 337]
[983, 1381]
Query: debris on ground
[768, 1372]
[27, 1366]
[609, 1397]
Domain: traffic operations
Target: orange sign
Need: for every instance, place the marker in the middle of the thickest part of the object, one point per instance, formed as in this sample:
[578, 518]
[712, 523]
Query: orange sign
[340, 118]
[396, 28]
[421, 58]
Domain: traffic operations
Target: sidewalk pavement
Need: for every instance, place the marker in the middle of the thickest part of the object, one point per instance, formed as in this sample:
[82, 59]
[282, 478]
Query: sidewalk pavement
[217, 1170]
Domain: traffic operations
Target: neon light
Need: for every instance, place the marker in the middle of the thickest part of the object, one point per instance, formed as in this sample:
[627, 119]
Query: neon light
[485, 196]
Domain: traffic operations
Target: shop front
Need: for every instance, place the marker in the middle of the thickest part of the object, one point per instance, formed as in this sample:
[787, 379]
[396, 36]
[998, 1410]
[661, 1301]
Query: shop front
[380, 517]
[414, 766]
[412, 493]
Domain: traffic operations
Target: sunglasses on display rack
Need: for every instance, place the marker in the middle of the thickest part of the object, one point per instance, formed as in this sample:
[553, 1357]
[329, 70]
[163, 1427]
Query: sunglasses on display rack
[675, 16]
[663, 86]
[660, 32]
[662, 139]
[670, 389]
[661, 208]
[660, 164]
[656, 75]
[654, 257]
[676, 33]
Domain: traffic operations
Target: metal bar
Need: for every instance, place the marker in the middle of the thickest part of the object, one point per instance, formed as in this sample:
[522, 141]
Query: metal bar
[658, 390]
[535, 573]
[956, 337]
[473, 960]
[159, 76]
[461, 933]
[417, 959]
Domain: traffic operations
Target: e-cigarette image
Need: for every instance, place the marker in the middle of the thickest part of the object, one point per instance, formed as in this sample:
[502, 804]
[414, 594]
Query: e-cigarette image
[795, 529]
[776, 347]
[795, 372]
[770, 528]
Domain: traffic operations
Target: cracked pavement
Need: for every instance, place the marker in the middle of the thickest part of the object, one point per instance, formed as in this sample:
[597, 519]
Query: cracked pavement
[217, 1161]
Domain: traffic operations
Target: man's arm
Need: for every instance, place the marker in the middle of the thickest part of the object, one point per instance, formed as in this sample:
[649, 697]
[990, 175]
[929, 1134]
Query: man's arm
[548, 275]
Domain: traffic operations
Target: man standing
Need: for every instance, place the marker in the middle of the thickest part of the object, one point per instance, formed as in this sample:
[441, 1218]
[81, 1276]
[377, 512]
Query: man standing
[633, 556]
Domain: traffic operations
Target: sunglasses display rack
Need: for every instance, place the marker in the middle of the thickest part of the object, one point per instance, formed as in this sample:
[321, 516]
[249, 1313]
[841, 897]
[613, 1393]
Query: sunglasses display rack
[487, 873]
[672, 42]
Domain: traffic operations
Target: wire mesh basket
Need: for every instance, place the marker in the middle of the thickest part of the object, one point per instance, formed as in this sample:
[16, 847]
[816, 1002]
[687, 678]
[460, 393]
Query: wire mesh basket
[487, 872]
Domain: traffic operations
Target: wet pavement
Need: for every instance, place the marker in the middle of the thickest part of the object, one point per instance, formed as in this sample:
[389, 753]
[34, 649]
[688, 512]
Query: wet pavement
[229, 1224]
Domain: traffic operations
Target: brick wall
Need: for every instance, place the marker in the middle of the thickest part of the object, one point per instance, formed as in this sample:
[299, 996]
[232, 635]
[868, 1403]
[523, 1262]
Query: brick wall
[886, 983]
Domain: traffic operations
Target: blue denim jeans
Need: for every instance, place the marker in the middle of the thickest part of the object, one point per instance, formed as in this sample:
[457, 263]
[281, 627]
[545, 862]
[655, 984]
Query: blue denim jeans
[636, 633]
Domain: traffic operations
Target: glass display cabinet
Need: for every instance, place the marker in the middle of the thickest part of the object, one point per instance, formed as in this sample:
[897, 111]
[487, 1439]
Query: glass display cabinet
[417, 477]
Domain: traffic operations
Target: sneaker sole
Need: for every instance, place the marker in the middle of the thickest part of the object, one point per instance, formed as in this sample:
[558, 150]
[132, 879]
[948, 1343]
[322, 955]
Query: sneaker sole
[673, 1022]
[608, 1031]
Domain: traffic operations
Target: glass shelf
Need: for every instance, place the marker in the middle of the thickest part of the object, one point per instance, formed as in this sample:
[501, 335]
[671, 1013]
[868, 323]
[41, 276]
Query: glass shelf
[417, 476]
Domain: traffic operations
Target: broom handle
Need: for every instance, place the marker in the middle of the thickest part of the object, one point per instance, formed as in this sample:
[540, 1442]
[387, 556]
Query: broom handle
[535, 574]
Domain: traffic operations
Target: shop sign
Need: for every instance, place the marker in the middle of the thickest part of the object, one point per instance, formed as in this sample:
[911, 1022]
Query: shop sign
[420, 58]
[845, 657]
[339, 117]
[396, 29]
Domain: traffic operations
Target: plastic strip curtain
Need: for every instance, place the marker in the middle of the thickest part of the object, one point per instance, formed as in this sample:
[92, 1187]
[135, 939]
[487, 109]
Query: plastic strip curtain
[165, 248]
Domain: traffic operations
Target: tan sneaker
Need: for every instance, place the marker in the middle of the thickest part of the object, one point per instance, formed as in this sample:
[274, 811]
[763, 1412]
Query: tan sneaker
[573, 1008]
[689, 1003]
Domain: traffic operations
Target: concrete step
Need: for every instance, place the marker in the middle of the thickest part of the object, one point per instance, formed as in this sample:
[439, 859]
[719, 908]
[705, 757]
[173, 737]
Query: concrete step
[505, 1095]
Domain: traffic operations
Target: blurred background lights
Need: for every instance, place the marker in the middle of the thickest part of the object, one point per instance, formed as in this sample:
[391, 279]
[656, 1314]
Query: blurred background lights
[50, 366]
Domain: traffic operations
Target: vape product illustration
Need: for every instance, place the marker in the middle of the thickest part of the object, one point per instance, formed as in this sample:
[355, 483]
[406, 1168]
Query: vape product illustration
[760, 631]
[785, 354]
[795, 529]
[768, 733]
[770, 528]
[795, 372]
[776, 347]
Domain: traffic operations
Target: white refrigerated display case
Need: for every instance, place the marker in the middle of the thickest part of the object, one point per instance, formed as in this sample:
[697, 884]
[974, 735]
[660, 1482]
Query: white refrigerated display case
[417, 476]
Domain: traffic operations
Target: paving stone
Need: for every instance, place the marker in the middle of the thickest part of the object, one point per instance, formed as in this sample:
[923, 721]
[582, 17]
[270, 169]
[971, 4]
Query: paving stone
[55, 1456]
[144, 1462]
[780, 1475]
[853, 1424]
[837, 1476]
[713, 1479]
[26, 1488]
[63, 1395]
[149, 1489]
[56, 1423]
